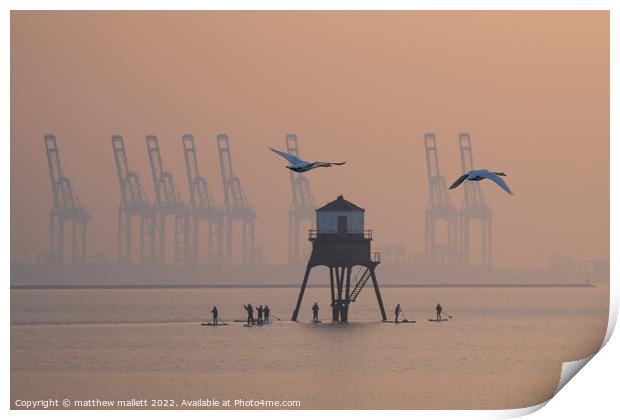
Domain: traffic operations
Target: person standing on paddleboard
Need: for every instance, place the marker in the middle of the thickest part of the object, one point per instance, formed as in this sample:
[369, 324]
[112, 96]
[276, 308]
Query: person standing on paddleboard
[259, 321]
[397, 312]
[250, 311]
[266, 314]
[438, 308]
[315, 312]
[215, 313]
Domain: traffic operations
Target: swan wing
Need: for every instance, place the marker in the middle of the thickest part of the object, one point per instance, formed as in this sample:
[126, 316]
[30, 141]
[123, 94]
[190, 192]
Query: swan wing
[319, 164]
[499, 181]
[458, 181]
[294, 160]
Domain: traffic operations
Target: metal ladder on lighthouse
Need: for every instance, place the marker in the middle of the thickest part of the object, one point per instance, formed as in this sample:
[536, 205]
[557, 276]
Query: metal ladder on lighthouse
[359, 285]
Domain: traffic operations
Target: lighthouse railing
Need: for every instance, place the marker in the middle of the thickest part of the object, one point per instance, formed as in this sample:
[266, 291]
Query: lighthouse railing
[335, 234]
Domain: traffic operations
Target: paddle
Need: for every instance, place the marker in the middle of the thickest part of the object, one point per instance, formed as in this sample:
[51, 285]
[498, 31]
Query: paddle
[275, 317]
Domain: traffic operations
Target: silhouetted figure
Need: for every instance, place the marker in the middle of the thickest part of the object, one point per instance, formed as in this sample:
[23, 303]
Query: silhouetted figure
[438, 308]
[215, 313]
[250, 311]
[315, 312]
[266, 314]
[397, 311]
[259, 310]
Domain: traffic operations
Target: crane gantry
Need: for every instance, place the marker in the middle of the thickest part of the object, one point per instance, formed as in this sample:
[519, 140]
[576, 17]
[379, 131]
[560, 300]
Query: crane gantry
[474, 208]
[66, 208]
[134, 203]
[236, 207]
[302, 205]
[438, 208]
[168, 204]
[202, 206]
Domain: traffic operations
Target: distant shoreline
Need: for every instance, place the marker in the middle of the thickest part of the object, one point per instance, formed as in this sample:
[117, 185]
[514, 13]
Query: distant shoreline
[289, 286]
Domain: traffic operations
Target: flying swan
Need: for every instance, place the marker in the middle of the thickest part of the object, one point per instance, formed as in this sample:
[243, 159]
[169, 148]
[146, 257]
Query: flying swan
[299, 165]
[480, 174]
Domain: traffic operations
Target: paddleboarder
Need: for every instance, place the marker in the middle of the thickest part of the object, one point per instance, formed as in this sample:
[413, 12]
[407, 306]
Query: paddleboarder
[266, 314]
[260, 314]
[215, 313]
[438, 308]
[250, 311]
[315, 312]
[397, 311]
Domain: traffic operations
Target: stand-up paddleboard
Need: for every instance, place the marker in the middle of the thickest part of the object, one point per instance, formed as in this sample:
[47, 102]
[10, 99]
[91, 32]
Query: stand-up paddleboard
[316, 322]
[211, 324]
[438, 320]
[404, 321]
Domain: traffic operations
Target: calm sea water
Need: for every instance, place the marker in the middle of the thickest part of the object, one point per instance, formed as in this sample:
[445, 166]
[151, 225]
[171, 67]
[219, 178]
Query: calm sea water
[503, 348]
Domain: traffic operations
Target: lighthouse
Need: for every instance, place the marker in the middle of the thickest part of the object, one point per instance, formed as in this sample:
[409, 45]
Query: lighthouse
[340, 242]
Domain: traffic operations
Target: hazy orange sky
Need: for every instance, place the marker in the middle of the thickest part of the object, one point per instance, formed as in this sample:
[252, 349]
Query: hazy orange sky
[532, 88]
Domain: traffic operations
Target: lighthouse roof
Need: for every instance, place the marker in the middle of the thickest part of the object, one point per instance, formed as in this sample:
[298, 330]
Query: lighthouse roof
[340, 204]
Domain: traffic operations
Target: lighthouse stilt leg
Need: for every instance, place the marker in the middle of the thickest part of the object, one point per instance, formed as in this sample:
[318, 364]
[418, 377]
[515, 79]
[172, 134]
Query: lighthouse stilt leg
[346, 295]
[378, 293]
[339, 278]
[301, 293]
[341, 299]
[337, 305]
[331, 283]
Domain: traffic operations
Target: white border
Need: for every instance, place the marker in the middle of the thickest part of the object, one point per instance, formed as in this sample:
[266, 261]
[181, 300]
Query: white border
[598, 379]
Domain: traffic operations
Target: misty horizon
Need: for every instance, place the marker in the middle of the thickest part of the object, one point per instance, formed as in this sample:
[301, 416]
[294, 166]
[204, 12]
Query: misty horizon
[258, 76]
